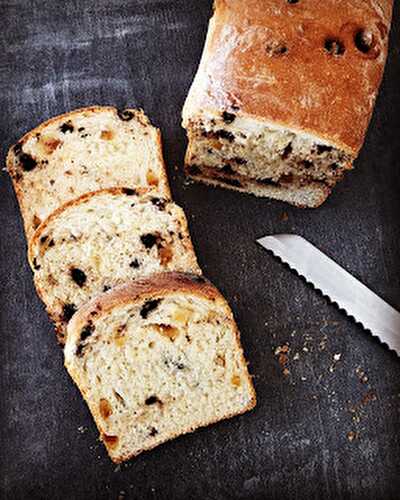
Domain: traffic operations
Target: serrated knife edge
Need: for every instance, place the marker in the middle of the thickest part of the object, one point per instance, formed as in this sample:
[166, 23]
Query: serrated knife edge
[339, 286]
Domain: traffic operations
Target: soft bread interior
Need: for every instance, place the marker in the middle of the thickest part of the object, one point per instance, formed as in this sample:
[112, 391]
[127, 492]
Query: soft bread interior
[84, 151]
[102, 240]
[159, 367]
[250, 155]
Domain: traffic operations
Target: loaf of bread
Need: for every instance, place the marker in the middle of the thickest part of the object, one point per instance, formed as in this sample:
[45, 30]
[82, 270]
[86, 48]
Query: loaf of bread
[284, 93]
[82, 151]
[155, 359]
[103, 239]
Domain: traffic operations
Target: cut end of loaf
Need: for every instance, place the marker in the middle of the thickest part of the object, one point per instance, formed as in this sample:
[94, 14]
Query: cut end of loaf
[156, 359]
[249, 155]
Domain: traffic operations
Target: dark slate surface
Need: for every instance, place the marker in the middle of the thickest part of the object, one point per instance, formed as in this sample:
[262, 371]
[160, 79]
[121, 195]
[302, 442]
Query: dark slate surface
[56, 56]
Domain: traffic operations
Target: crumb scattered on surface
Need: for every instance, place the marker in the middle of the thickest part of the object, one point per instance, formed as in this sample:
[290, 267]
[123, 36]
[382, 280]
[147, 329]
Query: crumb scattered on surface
[284, 217]
[323, 342]
[358, 409]
[362, 376]
[351, 436]
[82, 429]
[336, 359]
[282, 349]
[316, 343]
[282, 352]
[368, 397]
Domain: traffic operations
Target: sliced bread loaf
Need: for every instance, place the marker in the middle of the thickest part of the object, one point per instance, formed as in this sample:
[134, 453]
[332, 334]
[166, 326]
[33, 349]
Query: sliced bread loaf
[101, 240]
[157, 358]
[85, 150]
[284, 94]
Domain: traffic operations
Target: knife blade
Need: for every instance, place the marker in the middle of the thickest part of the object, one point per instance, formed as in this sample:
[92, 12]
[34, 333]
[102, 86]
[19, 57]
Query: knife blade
[339, 286]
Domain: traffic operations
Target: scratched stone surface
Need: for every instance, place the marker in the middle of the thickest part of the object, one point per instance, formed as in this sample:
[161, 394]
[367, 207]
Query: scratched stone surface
[327, 421]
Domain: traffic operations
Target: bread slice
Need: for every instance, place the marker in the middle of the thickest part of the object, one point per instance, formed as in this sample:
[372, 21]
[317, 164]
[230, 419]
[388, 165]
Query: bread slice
[102, 239]
[157, 358]
[284, 94]
[81, 151]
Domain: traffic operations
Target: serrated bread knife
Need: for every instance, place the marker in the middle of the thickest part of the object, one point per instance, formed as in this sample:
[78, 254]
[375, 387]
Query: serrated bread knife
[338, 285]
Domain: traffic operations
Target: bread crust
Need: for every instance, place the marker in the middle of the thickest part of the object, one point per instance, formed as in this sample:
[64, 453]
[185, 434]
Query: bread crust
[312, 195]
[35, 241]
[159, 284]
[148, 288]
[295, 65]
[12, 160]
[122, 458]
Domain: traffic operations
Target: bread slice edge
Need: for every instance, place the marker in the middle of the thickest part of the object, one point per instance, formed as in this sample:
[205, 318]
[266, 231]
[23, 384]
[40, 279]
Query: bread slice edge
[148, 288]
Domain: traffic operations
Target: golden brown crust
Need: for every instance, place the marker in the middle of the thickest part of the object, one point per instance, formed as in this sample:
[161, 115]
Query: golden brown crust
[12, 161]
[155, 286]
[164, 176]
[305, 66]
[312, 195]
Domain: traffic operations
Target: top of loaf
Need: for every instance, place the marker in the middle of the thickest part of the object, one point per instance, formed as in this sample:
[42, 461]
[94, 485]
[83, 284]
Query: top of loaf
[309, 66]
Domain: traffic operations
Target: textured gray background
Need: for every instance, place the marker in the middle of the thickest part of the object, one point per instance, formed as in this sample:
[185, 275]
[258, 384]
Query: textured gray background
[56, 56]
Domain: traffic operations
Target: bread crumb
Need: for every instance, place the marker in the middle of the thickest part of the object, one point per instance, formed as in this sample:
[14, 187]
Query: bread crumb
[284, 217]
[369, 396]
[336, 359]
[351, 436]
[281, 349]
[283, 358]
[362, 376]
